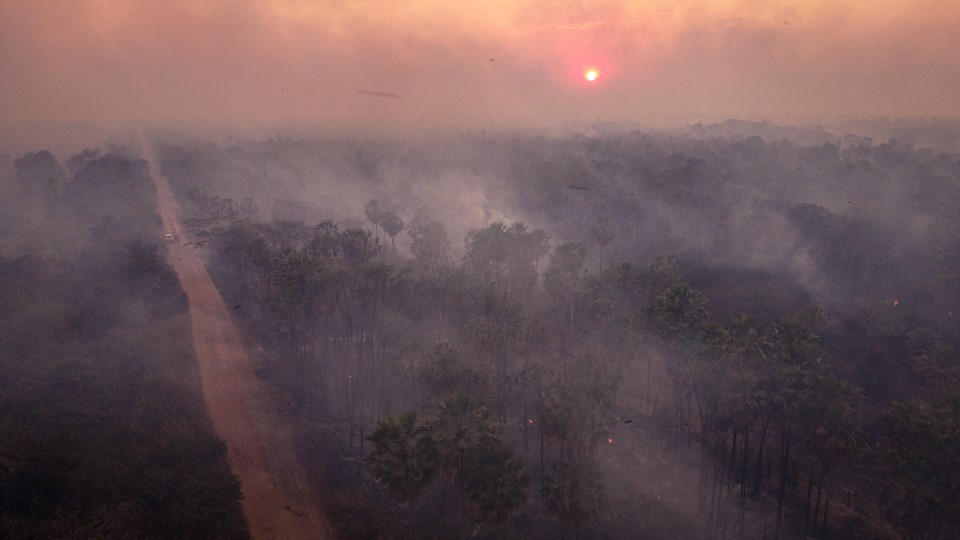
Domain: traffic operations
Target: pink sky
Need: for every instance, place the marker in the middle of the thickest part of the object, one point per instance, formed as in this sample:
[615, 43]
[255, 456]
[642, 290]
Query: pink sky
[659, 61]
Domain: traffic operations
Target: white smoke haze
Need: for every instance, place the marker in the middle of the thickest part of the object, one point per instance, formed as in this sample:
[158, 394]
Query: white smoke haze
[782, 153]
[500, 64]
[722, 196]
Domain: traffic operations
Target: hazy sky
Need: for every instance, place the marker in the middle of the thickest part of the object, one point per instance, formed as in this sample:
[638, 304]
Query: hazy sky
[505, 62]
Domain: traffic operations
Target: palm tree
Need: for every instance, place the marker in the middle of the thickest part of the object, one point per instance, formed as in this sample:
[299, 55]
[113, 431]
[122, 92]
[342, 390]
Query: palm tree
[392, 225]
[464, 430]
[357, 246]
[465, 426]
[922, 459]
[577, 409]
[403, 458]
[540, 246]
[443, 370]
[496, 484]
[680, 308]
[430, 245]
[564, 277]
[602, 232]
[374, 212]
[574, 493]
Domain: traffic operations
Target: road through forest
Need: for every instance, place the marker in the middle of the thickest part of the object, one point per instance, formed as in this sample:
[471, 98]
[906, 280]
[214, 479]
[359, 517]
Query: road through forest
[279, 500]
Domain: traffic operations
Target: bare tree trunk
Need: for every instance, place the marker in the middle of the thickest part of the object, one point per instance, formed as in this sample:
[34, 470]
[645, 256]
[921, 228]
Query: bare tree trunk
[759, 476]
[526, 428]
[463, 510]
[360, 461]
[678, 418]
[806, 514]
[782, 491]
[733, 459]
[826, 519]
[704, 476]
[716, 487]
[743, 478]
[381, 408]
[816, 511]
[413, 520]
[721, 472]
[541, 457]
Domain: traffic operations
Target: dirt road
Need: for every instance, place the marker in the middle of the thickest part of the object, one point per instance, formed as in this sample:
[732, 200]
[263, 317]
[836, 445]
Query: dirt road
[279, 501]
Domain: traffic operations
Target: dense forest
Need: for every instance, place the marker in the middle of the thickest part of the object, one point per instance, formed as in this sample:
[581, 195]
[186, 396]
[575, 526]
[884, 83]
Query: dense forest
[728, 331]
[103, 432]
[513, 269]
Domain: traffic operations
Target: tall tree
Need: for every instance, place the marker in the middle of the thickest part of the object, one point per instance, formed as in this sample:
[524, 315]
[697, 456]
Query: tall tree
[38, 172]
[357, 246]
[922, 460]
[374, 212]
[464, 430]
[392, 225]
[496, 484]
[463, 426]
[403, 458]
[602, 231]
[431, 246]
[574, 493]
[505, 256]
[680, 308]
[563, 279]
[443, 370]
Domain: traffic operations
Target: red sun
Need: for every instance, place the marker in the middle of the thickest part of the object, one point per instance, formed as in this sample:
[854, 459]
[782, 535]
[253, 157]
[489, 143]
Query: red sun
[591, 74]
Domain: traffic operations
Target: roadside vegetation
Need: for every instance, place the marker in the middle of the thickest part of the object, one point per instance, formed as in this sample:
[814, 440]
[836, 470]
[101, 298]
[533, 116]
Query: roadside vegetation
[103, 432]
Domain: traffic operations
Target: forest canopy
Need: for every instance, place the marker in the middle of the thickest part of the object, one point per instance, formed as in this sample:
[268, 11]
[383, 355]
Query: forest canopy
[765, 312]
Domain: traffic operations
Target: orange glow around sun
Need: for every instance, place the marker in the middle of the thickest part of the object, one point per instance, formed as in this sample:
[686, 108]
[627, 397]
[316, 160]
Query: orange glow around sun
[590, 74]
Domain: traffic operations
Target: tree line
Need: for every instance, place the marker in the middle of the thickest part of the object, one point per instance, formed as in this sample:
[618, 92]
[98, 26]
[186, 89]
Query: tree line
[103, 432]
[776, 423]
[803, 404]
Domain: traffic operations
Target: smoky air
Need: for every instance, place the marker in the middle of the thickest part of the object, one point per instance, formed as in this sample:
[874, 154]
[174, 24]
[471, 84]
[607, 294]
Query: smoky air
[742, 327]
[598, 270]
